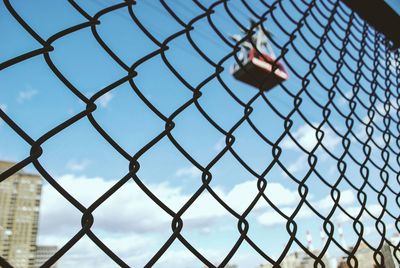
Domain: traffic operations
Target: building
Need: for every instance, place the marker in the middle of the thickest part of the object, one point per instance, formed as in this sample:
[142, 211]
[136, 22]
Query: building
[365, 256]
[43, 253]
[343, 264]
[390, 254]
[19, 214]
[308, 262]
[299, 259]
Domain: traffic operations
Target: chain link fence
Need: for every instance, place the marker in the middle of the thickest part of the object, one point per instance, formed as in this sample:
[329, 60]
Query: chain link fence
[328, 50]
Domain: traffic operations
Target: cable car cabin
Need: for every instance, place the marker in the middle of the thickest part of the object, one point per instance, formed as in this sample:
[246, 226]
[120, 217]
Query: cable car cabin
[257, 60]
[256, 70]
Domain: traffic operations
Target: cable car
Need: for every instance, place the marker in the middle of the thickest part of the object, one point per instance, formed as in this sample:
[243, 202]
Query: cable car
[256, 63]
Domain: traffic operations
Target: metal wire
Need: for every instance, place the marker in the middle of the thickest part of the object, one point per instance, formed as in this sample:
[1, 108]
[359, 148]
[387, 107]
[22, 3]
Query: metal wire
[372, 47]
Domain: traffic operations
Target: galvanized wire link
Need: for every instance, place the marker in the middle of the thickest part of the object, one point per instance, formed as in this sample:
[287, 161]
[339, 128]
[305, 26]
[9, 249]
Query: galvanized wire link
[344, 34]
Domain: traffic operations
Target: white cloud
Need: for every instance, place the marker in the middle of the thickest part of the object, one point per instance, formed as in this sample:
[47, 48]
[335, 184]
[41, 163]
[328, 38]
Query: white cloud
[361, 130]
[105, 99]
[299, 165]
[271, 217]
[368, 230]
[74, 165]
[380, 107]
[220, 144]
[183, 258]
[191, 172]
[131, 204]
[26, 94]
[130, 215]
[178, 258]
[244, 193]
[374, 209]
[346, 198]
[86, 254]
[348, 95]
[306, 137]
[394, 64]
[331, 171]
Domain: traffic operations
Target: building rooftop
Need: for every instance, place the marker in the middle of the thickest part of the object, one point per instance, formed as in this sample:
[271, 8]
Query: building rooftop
[4, 165]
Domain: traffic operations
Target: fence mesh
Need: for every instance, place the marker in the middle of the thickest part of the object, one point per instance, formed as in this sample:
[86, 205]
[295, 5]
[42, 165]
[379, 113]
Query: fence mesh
[337, 64]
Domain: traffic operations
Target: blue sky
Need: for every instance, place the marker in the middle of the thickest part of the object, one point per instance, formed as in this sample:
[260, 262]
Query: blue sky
[38, 101]
[394, 4]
